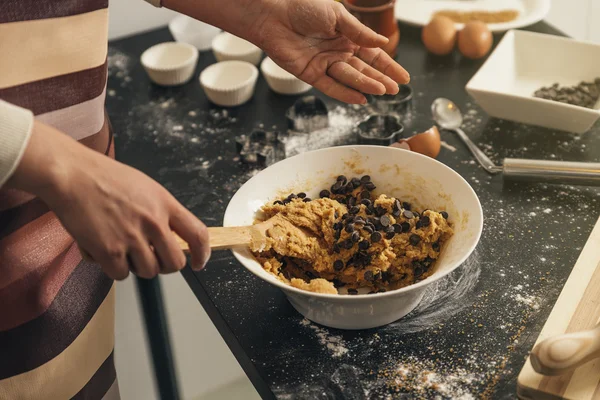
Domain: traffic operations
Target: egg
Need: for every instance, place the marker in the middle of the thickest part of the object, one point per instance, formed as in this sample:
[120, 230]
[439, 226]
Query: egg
[475, 40]
[428, 143]
[439, 35]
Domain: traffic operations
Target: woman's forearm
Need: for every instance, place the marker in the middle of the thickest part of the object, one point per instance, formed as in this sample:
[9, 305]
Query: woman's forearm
[242, 18]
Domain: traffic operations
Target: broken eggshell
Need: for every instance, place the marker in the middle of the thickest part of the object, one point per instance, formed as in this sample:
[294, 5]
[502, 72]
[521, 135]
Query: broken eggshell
[427, 143]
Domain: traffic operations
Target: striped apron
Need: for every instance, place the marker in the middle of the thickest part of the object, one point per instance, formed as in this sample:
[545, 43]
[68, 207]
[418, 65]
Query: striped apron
[56, 311]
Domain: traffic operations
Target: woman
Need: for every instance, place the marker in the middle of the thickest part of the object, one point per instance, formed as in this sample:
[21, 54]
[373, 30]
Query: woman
[59, 190]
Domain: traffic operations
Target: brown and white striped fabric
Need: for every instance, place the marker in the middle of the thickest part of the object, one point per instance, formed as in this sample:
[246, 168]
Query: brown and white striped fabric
[56, 311]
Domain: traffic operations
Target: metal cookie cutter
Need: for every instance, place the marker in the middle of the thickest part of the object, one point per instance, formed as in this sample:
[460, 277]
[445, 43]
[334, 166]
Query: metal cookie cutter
[260, 148]
[379, 129]
[396, 103]
[308, 114]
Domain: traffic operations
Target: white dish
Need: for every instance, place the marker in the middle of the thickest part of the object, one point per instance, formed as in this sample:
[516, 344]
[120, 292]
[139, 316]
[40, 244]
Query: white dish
[408, 175]
[229, 83]
[227, 47]
[281, 81]
[419, 12]
[170, 63]
[524, 62]
[189, 30]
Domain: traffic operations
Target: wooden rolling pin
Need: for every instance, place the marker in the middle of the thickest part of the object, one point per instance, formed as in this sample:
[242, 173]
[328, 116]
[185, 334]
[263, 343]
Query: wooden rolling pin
[563, 353]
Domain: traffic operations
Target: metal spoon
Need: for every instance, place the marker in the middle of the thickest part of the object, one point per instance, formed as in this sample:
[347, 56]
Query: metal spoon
[448, 116]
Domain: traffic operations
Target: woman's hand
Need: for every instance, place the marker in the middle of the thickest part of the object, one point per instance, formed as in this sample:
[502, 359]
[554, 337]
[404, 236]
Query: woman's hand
[118, 215]
[321, 43]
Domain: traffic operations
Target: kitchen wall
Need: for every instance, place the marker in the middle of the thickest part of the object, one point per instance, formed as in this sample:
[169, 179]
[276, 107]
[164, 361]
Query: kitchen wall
[207, 369]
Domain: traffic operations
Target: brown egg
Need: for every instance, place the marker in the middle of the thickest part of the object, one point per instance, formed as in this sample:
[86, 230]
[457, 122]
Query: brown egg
[475, 40]
[439, 35]
[427, 143]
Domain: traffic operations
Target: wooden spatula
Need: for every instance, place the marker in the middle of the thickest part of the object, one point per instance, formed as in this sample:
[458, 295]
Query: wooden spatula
[560, 354]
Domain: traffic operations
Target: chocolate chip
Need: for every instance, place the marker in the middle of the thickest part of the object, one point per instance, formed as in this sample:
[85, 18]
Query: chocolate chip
[336, 214]
[369, 211]
[370, 186]
[408, 214]
[348, 188]
[355, 182]
[414, 239]
[343, 179]
[337, 283]
[359, 220]
[292, 196]
[406, 205]
[337, 234]
[377, 275]
[355, 236]
[354, 210]
[376, 237]
[419, 224]
[350, 228]
[436, 246]
[351, 201]
[324, 193]
[444, 214]
[382, 290]
[287, 201]
[352, 291]
[390, 235]
[379, 211]
[397, 205]
[307, 199]
[365, 194]
[419, 271]
[365, 179]
[425, 220]
[310, 275]
[405, 226]
[336, 247]
[338, 226]
[278, 202]
[416, 214]
[345, 216]
[428, 261]
[385, 220]
[338, 265]
[366, 202]
[364, 245]
[368, 275]
[336, 187]
[385, 276]
[397, 228]
[368, 229]
[348, 244]
[301, 195]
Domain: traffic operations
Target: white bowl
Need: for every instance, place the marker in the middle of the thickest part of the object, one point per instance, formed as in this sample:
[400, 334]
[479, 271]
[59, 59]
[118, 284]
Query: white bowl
[226, 47]
[170, 63]
[410, 176]
[524, 62]
[189, 30]
[229, 83]
[281, 81]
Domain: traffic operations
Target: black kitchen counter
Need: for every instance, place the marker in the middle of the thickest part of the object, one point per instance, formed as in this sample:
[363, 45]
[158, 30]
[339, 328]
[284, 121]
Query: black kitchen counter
[473, 329]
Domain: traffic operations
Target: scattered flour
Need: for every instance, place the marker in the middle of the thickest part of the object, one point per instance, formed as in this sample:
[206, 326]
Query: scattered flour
[335, 344]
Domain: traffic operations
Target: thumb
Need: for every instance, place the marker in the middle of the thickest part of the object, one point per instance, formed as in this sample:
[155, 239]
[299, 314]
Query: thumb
[353, 29]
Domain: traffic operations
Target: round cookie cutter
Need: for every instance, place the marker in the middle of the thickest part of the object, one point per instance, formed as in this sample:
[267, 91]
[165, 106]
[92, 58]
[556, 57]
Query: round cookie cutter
[379, 129]
[394, 103]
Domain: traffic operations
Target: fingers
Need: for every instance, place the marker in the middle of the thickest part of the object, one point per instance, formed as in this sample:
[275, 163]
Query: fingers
[166, 248]
[354, 30]
[391, 87]
[113, 262]
[338, 91]
[143, 261]
[194, 232]
[382, 62]
[349, 76]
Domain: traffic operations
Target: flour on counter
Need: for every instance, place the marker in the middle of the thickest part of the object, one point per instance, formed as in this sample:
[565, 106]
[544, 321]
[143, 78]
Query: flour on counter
[334, 344]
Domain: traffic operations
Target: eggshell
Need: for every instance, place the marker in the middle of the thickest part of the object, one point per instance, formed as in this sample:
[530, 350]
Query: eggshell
[428, 143]
[475, 40]
[439, 35]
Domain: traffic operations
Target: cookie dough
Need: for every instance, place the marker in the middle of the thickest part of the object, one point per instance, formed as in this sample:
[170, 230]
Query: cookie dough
[351, 239]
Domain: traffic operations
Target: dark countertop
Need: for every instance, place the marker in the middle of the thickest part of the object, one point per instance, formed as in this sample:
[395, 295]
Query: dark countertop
[472, 331]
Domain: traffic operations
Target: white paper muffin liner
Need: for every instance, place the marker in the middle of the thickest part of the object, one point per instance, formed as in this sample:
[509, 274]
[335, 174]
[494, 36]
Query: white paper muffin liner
[229, 83]
[197, 33]
[170, 63]
[228, 47]
[281, 81]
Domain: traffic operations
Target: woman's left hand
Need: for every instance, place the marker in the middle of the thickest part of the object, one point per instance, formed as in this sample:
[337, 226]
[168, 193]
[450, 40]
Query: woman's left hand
[321, 43]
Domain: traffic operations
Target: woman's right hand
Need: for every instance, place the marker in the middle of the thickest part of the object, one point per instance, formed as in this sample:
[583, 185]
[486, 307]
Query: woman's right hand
[116, 214]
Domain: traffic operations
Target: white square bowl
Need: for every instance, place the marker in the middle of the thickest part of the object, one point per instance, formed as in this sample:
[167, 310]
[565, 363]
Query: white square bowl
[524, 62]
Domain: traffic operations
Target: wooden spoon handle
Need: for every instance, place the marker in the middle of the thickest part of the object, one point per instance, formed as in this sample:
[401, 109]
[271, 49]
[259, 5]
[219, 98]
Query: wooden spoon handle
[559, 354]
[223, 238]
